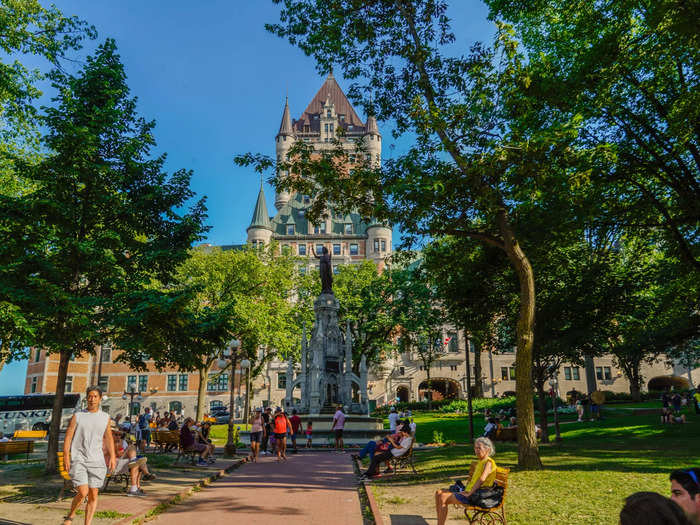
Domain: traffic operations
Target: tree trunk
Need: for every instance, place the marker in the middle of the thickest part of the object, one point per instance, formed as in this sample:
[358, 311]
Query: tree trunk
[635, 384]
[202, 390]
[478, 383]
[430, 390]
[528, 455]
[230, 448]
[542, 405]
[57, 411]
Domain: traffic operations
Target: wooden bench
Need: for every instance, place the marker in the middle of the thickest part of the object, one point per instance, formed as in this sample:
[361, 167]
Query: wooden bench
[191, 453]
[68, 483]
[165, 439]
[496, 514]
[16, 447]
[24, 435]
[404, 461]
[506, 434]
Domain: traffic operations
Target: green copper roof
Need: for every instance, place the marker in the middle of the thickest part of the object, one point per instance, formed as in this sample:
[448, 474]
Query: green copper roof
[294, 212]
[260, 217]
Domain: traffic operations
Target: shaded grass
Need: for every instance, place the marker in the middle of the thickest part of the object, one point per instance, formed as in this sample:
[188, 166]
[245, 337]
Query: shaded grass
[584, 480]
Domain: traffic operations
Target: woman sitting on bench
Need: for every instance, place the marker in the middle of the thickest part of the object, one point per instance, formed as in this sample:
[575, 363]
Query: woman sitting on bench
[398, 449]
[483, 477]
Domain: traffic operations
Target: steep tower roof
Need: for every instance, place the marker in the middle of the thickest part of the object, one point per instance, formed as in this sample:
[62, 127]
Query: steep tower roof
[261, 219]
[286, 124]
[330, 90]
[372, 125]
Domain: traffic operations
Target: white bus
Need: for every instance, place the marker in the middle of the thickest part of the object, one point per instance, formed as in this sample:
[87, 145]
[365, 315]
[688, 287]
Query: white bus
[33, 411]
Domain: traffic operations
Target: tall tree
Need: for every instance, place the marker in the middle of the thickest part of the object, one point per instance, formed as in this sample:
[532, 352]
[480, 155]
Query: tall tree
[102, 222]
[631, 69]
[482, 149]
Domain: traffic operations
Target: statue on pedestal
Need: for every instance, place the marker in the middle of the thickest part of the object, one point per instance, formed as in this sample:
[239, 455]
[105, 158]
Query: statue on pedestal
[326, 269]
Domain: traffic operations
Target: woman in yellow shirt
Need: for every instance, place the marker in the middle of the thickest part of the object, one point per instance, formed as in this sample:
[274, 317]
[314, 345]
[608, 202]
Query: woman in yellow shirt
[484, 476]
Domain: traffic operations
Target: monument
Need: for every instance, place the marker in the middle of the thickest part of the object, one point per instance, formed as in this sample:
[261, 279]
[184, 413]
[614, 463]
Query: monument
[326, 378]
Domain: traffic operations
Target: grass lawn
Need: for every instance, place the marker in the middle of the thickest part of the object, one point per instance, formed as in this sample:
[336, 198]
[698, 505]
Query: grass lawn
[584, 480]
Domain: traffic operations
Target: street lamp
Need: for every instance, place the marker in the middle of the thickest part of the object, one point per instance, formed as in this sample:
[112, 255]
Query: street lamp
[132, 391]
[245, 366]
[230, 353]
[554, 383]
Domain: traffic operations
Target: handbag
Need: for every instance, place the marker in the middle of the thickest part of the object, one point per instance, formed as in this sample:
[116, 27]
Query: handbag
[487, 497]
[458, 486]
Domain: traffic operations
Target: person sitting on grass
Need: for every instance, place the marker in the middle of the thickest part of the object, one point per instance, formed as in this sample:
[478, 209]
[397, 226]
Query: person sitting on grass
[650, 508]
[398, 449]
[685, 491]
[188, 442]
[491, 428]
[479, 486]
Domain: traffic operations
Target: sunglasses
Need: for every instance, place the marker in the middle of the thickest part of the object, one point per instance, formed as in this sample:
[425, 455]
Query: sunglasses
[693, 476]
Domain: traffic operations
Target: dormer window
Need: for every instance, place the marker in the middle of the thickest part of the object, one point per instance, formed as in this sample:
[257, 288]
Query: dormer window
[307, 199]
[342, 118]
[329, 113]
[348, 228]
[290, 229]
[320, 228]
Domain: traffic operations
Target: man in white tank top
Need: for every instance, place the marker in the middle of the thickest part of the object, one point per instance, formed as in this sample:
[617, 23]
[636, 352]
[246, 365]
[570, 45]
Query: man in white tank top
[83, 455]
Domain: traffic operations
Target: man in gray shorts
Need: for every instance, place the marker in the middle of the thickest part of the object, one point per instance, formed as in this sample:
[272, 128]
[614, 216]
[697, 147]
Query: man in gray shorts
[83, 456]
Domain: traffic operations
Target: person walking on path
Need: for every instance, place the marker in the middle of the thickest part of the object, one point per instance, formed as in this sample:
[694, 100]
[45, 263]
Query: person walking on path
[267, 428]
[83, 456]
[338, 426]
[144, 423]
[393, 419]
[295, 420]
[309, 433]
[280, 426]
[257, 428]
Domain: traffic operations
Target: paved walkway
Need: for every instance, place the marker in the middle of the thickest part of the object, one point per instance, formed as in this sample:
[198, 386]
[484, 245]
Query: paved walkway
[314, 488]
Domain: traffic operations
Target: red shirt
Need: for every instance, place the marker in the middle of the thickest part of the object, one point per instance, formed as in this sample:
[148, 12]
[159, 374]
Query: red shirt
[296, 423]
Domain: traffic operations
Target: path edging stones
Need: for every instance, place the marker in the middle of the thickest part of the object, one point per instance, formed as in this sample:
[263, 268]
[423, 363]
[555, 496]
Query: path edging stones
[376, 515]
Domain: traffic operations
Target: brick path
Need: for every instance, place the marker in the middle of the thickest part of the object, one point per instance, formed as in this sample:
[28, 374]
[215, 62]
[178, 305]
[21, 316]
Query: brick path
[314, 488]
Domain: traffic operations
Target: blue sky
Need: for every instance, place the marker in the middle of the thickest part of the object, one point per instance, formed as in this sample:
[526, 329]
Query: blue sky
[215, 81]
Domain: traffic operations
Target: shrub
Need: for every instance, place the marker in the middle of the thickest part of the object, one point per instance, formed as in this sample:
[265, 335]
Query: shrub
[438, 437]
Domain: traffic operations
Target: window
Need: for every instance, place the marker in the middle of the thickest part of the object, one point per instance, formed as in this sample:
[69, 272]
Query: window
[172, 382]
[576, 374]
[69, 383]
[175, 406]
[383, 245]
[567, 373]
[290, 229]
[143, 383]
[354, 249]
[336, 271]
[215, 403]
[281, 380]
[130, 380]
[302, 249]
[512, 373]
[135, 408]
[103, 383]
[217, 382]
[106, 354]
[37, 355]
[35, 381]
[504, 373]
[330, 126]
[328, 113]
[376, 245]
[183, 382]
[320, 228]
[336, 249]
[402, 371]
[319, 249]
[453, 367]
[348, 228]
[307, 199]
[326, 127]
[452, 343]
[599, 372]
[607, 373]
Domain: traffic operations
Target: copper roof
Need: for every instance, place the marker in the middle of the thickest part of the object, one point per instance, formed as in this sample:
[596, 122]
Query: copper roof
[329, 89]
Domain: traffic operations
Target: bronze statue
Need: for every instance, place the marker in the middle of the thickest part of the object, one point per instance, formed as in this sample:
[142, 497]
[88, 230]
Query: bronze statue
[326, 270]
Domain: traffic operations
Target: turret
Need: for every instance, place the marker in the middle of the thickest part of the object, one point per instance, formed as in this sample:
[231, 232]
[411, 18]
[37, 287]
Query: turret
[378, 241]
[283, 142]
[373, 140]
[260, 229]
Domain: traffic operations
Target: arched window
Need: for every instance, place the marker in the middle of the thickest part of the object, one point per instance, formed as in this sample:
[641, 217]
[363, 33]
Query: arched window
[175, 406]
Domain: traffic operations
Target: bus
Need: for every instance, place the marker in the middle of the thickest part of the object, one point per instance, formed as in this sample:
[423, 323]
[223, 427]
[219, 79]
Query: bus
[33, 411]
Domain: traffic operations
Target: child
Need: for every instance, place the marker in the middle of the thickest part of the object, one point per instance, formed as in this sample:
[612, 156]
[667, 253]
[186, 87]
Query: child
[273, 444]
[308, 434]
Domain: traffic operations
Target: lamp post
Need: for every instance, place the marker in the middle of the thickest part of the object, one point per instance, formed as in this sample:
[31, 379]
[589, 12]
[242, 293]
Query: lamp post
[132, 391]
[245, 366]
[554, 383]
[231, 353]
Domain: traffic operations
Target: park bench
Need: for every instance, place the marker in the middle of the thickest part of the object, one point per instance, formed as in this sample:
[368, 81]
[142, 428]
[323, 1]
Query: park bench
[404, 461]
[16, 447]
[68, 483]
[496, 514]
[506, 434]
[165, 440]
[26, 435]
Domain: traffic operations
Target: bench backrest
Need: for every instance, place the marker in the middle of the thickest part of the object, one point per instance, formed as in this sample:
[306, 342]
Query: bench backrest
[501, 476]
[62, 466]
[29, 434]
[166, 436]
[16, 447]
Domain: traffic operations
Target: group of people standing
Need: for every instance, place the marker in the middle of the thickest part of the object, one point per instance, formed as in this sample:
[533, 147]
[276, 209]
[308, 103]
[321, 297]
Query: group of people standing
[271, 430]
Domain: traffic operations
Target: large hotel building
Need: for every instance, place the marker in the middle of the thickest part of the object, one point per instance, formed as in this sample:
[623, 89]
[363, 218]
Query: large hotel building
[350, 240]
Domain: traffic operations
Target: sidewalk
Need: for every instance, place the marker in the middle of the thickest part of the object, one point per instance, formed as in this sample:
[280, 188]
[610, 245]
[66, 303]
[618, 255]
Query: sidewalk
[314, 488]
[34, 502]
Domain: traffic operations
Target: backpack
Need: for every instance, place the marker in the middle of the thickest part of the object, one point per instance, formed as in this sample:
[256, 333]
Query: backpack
[142, 422]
